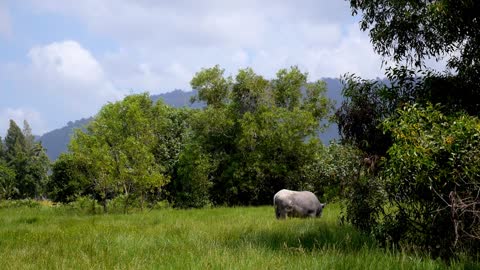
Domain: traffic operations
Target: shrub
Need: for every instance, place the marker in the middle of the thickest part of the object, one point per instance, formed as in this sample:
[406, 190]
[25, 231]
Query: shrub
[86, 204]
[332, 169]
[432, 180]
[20, 203]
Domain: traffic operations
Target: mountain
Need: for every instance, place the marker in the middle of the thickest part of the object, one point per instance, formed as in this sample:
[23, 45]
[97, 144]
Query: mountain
[56, 141]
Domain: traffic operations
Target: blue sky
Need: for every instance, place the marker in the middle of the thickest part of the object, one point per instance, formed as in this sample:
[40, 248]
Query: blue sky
[61, 60]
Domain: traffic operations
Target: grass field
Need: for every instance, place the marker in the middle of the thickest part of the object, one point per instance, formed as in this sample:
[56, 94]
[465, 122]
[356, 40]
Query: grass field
[218, 238]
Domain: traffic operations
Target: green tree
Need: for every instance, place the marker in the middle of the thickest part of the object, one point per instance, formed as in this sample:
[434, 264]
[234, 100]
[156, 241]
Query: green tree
[258, 135]
[88, 149]
[192, 184]
[415, 30]
[212, 87]
[432, 181]
[119, 145]
[8, 189]
[14, 142]
[2, 149]
[70, 179]
[28, 160]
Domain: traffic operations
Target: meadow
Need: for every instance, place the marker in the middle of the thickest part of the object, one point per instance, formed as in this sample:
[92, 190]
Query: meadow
[213, 238]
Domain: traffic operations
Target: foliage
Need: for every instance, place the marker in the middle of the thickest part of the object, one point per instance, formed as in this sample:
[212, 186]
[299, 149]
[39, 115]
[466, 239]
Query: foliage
[8, 188]
[431, 179]
[14, 142]
[192, 186]
[333, 169]
[368, 103]
[118, 148]
[85, 205]
[29, 162]
[212, 87]
[30, 203]
[364, 108]
[256, 134]
[417, 30]
[69, 179]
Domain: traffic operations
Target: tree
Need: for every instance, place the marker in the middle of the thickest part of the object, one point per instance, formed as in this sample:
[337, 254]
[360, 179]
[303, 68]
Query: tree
[29, 138]
[14, 142]
[70, 179]
[192, 185]
[28, 160]
[415, 30]
[257, 135]
[94, 153]
[424, 193]
[432, 181]
[2, 150]
[37, 168]
[212, 87]
[365, 106]
[119, 146]
[8, 189]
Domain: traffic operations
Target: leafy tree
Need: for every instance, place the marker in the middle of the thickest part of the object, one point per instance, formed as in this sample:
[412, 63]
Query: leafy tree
[69, 179]
[192, 185]
[334, 168]
[119, 145]
[90, 150]
[28, 160]
[14, 142]
[249, 91]
[212, 87]
[2, 150]
[431, 180]
[287, 86]
[27, 134]
[37, 170]
[258, 135]
[415, 30]
[8, 189]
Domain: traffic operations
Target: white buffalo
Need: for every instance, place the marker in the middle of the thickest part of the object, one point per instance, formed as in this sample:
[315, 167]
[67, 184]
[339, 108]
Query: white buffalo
[297, 204]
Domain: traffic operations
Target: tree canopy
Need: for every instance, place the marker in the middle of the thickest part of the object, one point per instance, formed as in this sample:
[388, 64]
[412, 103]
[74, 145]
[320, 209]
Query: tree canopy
[415, 30]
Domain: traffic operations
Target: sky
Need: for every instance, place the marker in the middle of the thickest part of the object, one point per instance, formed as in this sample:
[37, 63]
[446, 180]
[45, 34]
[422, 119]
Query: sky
[61, 60]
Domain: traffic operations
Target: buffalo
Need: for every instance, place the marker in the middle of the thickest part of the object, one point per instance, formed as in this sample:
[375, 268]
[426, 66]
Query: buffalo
[297, 204]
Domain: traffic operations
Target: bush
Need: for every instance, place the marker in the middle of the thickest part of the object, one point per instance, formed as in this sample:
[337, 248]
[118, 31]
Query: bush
[85, 204]
[332, 169]
[432, 180]
[364, 201]
[191, 188]
[20, 203]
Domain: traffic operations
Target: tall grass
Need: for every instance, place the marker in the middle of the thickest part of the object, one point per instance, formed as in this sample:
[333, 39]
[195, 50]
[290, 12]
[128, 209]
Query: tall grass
[218, 238]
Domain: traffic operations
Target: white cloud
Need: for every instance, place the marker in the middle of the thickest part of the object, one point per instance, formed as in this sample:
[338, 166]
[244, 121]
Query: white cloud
[60, 82]
[65, 70]
[158, 37]
[33, 117]
[158, 46]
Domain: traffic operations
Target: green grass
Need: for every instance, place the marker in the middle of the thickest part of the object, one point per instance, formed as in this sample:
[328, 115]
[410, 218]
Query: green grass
[218, 238]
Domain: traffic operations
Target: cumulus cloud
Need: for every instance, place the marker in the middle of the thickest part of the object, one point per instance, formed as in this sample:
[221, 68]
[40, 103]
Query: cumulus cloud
[158, 46]
[68, 71]
[60, 82]
[158, 35]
